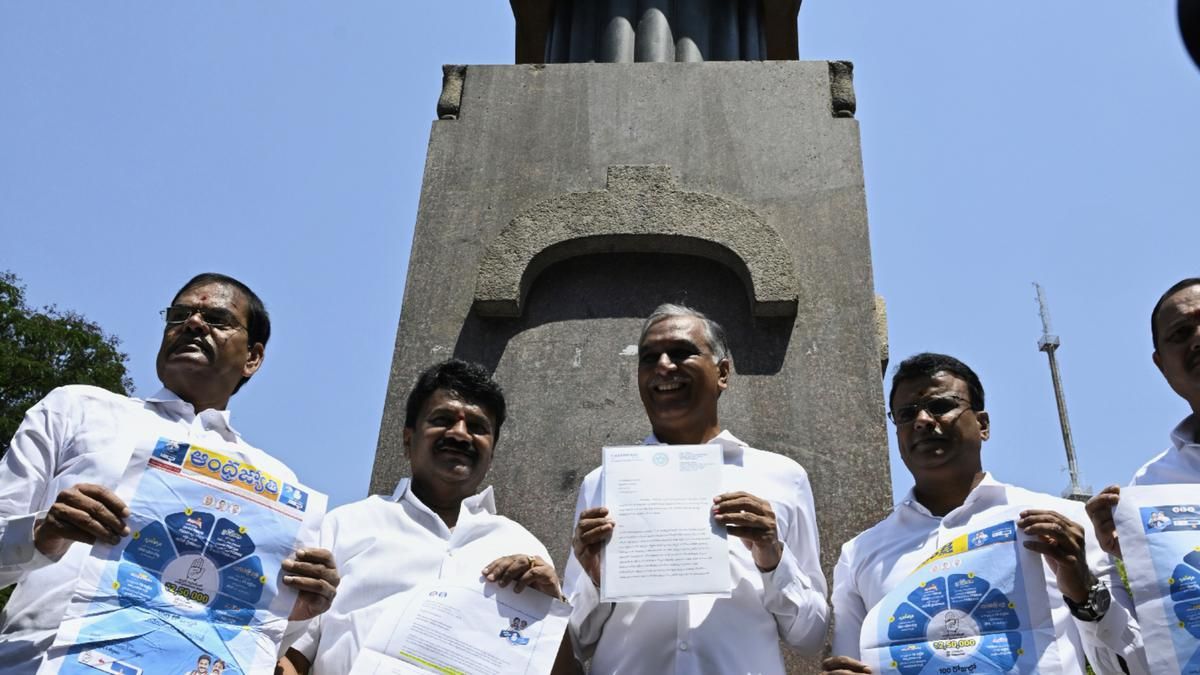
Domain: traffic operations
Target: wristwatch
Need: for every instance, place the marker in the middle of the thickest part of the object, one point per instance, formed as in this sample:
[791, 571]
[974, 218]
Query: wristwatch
[1096, 605]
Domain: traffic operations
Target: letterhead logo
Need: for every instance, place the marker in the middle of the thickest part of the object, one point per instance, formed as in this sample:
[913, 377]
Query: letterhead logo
[513, 632]
[660, 459]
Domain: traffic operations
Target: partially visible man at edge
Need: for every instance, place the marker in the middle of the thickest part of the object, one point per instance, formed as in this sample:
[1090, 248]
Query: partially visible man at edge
[937, 405]
[684, 364]
[1175, 331]
[436, 525]
[57, 478]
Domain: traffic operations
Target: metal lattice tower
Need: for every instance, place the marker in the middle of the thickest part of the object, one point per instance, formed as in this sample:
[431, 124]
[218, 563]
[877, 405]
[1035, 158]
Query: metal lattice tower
[1049, 343]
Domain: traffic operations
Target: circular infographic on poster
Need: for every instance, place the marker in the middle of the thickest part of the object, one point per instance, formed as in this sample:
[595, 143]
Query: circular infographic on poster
[956, 619]
[200, 563]
[1185, 593]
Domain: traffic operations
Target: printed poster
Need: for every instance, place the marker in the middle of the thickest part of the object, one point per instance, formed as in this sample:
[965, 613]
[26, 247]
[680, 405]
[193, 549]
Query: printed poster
[1159, 530]
[978, 605]
[196, 587]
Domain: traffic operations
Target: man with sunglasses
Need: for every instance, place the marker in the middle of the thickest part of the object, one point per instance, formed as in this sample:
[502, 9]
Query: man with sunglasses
[58, 475]
[937, 405]
[779, 591]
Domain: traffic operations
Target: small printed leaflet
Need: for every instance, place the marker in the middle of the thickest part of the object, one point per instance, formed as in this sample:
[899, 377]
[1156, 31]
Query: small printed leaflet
[198, 581]
[666, 544]
[464, 628]
[978, 605]
[1159, 530]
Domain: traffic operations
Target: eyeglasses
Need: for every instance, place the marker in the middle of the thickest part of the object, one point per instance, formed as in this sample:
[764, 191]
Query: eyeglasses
[938, 408]
[213, 317]
[677, 356]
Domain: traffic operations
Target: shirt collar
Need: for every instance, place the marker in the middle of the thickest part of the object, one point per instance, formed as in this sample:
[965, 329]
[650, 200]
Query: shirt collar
[988, 489]
[170, 400]
[483, 502]
[1184, 434]
[731, 446]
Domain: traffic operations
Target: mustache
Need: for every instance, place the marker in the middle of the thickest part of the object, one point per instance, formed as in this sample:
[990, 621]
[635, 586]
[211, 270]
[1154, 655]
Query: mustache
[189, 340]
[446, 444]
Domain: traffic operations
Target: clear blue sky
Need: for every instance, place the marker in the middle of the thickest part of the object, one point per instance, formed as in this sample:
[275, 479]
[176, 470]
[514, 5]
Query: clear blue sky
[283, 143]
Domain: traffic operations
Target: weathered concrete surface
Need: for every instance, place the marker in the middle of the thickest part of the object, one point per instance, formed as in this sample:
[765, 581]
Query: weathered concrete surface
[761, 136]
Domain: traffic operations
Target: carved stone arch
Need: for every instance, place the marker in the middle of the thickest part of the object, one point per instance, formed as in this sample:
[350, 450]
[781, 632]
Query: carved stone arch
[641, 209]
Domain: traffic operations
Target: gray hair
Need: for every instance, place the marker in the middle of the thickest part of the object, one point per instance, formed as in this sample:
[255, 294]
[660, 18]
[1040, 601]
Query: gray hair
[714, 334]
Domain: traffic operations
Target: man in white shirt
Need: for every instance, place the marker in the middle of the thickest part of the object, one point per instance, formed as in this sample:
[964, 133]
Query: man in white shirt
[779, 591]
[73, 446]
[937, 405]
[434, 526]
[1175, 330]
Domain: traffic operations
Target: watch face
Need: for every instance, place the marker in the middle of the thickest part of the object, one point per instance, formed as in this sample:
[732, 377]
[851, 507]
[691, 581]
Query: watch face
[1101, 599]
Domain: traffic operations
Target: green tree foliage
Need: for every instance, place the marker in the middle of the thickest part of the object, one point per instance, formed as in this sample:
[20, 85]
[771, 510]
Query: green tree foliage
[47, 348]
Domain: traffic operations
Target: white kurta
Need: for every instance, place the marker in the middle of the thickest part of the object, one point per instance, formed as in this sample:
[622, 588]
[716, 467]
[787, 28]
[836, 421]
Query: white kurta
[384, 546]
[738, 634]
[79, 434]
[877, 560]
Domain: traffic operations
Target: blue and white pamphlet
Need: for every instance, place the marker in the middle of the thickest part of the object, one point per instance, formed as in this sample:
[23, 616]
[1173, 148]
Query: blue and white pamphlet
[1159, 530]
[196, 587]
[465, 627]
[978, 605]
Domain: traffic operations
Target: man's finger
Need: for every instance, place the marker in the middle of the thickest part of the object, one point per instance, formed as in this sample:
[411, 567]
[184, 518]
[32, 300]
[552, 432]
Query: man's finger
[70, 519]
[106, 497]
[741, 504]
[311, 570]
[96, 511]
[311, 585]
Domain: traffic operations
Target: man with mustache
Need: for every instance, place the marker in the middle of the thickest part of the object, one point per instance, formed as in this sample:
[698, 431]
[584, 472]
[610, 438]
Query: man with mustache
[937, 405]
[684, 364]
[435, 525]
[1175, 331]
[57, 478]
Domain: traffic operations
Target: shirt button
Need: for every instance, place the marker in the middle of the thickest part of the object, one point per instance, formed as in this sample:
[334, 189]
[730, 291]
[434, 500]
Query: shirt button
[683, 645]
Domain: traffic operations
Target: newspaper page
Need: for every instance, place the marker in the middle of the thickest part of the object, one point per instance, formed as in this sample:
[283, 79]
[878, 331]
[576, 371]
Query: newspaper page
[1159, 530]
[666, 544]
[460, 628]
[197, 586]
[978, 605]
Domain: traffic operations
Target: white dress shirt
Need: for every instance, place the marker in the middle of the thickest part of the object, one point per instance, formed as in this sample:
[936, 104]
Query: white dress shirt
[877, 560]
[1178, 464]
[384, 546]
[79, 434]
[738, 634]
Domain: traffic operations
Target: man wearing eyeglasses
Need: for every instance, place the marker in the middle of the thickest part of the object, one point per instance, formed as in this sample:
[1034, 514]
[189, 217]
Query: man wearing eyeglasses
[937, 405]
[57, 478]
[779, 591]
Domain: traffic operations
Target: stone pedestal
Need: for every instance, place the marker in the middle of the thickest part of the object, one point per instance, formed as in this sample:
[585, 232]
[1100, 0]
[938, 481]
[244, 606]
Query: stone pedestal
[562, 203]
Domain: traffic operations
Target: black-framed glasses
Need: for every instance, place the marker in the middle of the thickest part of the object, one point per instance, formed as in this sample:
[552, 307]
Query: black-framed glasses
[214, 317]
[937, 408]
[678, 355]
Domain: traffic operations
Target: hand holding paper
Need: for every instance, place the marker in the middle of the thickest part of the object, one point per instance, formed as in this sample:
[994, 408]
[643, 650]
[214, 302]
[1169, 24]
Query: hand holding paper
[594, 530]
[1100, 510]
[86, 513]
[527, 571]
[314, 574]
[753, 521]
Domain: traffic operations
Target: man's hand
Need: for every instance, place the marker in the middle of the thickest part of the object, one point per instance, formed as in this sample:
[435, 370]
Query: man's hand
[525, 570]
[843, 665]
[1100, 510]
[752, 520]
[1060, 541]
[594, 530]
[312, 572]
[84, 512]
